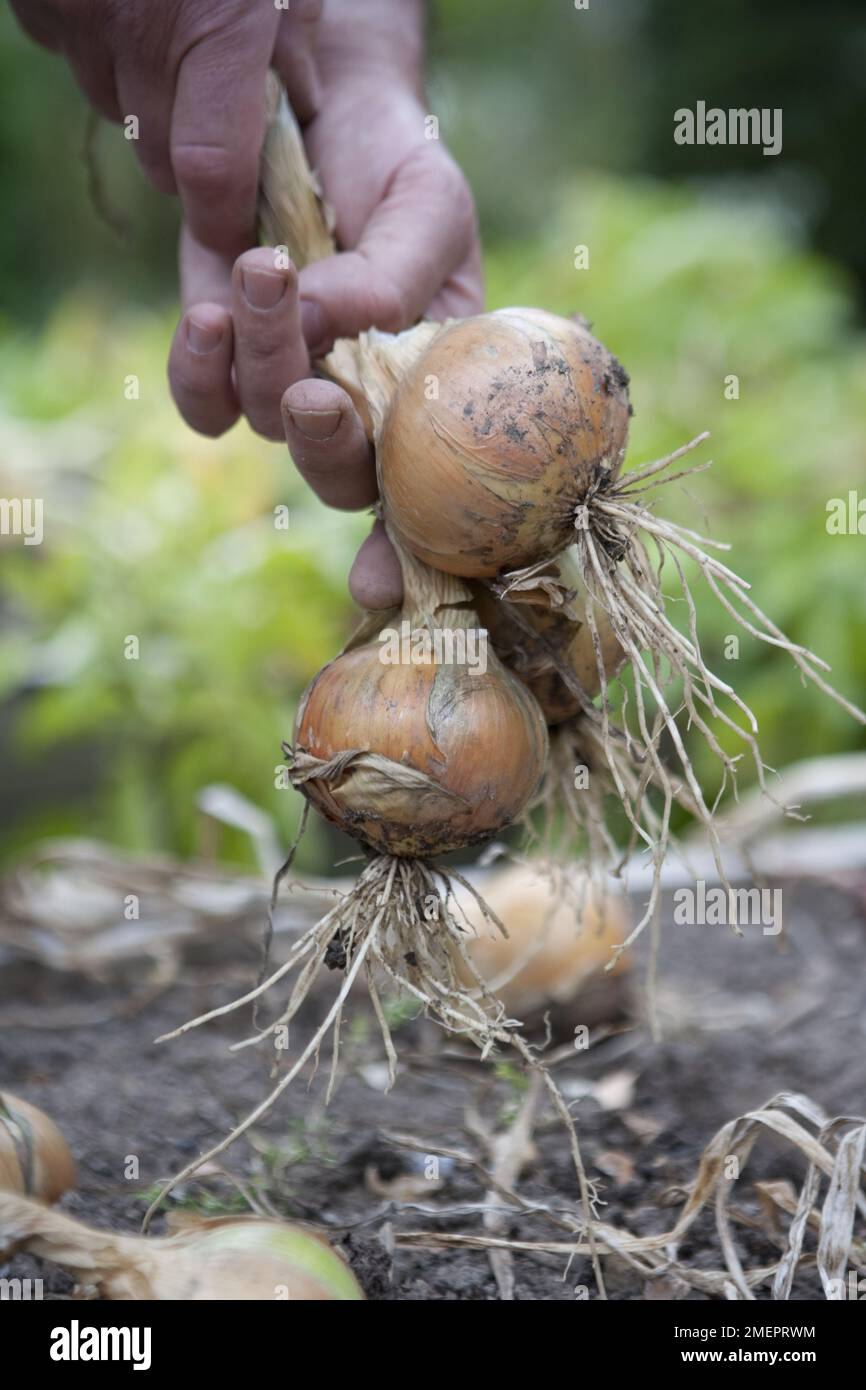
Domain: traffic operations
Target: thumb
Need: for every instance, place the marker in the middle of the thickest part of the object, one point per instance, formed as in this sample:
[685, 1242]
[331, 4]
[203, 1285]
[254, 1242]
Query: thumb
[418, 235]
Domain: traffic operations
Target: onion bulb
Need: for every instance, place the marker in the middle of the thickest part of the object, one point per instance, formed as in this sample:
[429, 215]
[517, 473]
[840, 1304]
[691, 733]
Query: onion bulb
[223, 1260]
[417, 759]
[34, 1156]
[493, 436]
[551, 647]
[562, 933]
[420, 742]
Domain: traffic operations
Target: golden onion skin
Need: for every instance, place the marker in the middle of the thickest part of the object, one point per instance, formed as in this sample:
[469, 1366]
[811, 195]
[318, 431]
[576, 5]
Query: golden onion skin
[480, 737]
[530, 661]
[34, 1156]
[574, 930]
[486, 477]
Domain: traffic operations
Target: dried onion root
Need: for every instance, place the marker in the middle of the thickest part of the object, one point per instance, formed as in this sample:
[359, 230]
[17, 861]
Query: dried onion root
[615, 530]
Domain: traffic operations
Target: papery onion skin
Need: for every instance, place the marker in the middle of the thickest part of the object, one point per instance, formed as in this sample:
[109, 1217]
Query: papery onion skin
[34, 1156]
[486, 477]
[530, 660]
[479, 737]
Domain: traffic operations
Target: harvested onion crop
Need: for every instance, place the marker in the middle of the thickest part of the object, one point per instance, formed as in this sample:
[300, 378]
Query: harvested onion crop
[550, 645]
[528, 411]
[499, 448]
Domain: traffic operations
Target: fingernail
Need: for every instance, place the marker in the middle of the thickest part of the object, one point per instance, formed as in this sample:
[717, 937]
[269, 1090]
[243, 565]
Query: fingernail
[314, 324]
[263, 289]
[203, 337]
[316, 424]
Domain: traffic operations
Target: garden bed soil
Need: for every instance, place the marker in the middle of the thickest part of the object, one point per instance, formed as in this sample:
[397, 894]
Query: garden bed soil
[741, 1020]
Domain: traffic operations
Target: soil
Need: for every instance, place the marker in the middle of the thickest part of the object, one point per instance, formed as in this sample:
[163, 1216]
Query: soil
[741, 1019]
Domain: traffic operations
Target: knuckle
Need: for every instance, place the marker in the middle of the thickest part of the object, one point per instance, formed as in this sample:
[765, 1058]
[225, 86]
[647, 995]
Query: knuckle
[388, 305]
[155, 162]
[449, 184]
[259, 348]
[205, 170]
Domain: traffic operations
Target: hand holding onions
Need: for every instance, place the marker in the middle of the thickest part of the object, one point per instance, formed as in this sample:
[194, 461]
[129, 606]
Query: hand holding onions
[499, 445]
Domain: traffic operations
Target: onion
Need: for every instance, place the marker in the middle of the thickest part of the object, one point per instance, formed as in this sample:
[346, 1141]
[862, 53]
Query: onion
[226, 1259]
[499, 443]
[414, 759]
[529, 411]
[562, 933]
[430, 752]
[417, 760]
[555, 650]
[34, 1156]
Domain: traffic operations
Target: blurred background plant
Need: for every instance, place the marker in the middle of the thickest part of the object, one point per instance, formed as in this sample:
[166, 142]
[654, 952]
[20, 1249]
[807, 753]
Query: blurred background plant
[563, 121]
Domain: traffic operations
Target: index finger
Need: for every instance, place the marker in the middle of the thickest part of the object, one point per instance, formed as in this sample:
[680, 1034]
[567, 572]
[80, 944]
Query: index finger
[217, 128]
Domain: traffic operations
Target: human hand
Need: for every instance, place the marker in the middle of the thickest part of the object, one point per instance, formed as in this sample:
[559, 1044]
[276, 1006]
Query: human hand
[193, 74]
[405, 212]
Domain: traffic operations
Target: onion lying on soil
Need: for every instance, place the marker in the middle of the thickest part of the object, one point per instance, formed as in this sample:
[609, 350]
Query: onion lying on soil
[34, 1156]
[225, 1259]
[562, 935]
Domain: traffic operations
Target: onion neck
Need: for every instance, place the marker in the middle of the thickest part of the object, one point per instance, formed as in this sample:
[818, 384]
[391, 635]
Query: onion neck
[427, 592]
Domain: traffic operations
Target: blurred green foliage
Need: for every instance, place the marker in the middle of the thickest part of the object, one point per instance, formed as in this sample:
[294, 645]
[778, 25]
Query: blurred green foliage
[529, 90]
[153, 532]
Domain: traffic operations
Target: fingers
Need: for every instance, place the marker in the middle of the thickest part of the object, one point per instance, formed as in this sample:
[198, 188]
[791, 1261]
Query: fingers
[327, 442]
[147, 95]
[200, 369]
[217, 128]
[204, 274]
[270, 352]
[419, 235]
[261, 297]
[375, 579]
